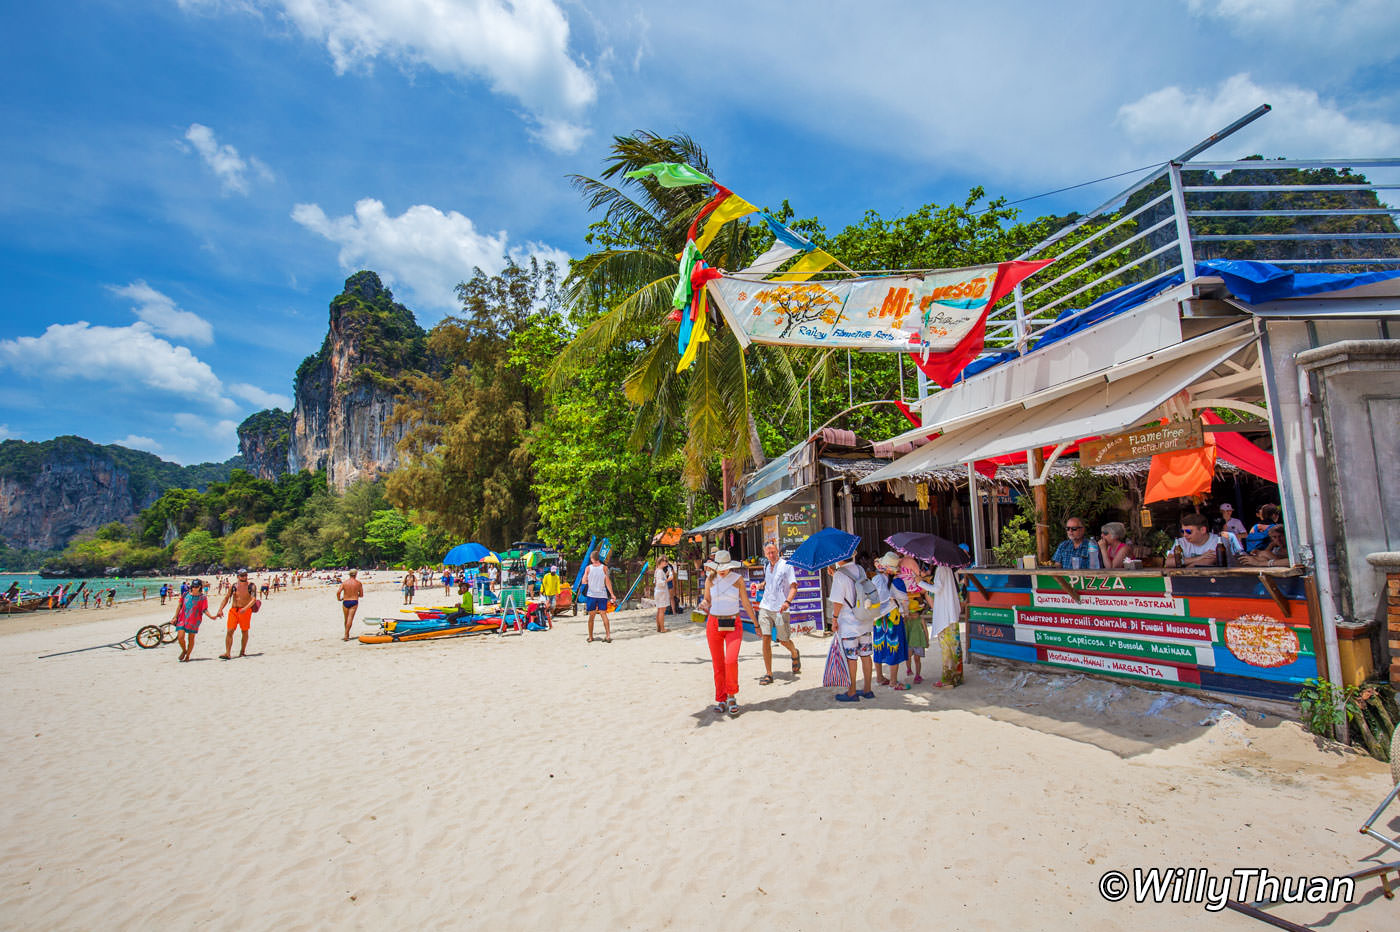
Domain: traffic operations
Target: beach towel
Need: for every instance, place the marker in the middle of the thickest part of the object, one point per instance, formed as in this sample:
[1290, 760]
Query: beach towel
[836, 673]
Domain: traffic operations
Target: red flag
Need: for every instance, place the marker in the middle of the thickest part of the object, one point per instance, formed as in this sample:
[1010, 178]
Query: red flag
[708, 209]
[1244, 454]
[943, 368]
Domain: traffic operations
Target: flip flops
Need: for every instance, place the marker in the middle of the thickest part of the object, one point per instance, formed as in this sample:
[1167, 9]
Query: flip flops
[847, 697]
[766, 679]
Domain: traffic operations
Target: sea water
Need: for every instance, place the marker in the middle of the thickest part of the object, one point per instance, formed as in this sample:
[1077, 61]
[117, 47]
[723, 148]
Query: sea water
[127, 589]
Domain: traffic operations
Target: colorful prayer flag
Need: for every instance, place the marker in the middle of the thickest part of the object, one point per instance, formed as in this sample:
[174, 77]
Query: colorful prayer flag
[776, 255]
[732, 208]
[671, 174]
[784, 235]
[681, 296]
[807, 266]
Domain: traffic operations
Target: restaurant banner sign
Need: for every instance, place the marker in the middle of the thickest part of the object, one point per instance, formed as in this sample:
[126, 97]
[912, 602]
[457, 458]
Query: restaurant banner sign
[883, 313]
[1142, 443]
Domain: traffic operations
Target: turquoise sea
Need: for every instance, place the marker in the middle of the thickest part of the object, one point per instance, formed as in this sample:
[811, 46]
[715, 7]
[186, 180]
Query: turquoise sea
[127, 589]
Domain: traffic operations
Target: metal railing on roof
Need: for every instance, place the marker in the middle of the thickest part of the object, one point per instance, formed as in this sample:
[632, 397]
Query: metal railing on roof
[1314, 214]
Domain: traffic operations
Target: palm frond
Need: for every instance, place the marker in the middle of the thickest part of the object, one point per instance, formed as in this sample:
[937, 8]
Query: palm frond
[636, 314]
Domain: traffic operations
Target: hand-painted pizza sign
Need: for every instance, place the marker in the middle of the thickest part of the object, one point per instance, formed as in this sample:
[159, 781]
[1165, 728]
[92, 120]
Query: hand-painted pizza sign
[1260, 641]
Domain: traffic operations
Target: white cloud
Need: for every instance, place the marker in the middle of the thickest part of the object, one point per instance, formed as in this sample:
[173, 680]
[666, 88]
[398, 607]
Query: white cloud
[5, 432]
[228, 166]
[161, 312]
[423, 249]
[256, 396]
[127, 356]
[1357, 31]
[519, 47]
[137, 442]
[213, 428]
[1302, 124]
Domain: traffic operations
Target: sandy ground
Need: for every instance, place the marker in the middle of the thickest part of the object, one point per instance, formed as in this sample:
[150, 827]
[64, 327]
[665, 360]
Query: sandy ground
[540, 782]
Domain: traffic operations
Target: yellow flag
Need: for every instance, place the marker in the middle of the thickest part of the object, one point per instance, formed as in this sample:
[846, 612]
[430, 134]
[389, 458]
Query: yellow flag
[731, 208]
[804, 268]
[697, 335]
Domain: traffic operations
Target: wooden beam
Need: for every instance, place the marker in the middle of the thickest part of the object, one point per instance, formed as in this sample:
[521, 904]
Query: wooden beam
[1064, 584]
[1238, 427]
[1272, 588]
[980, 588]
[1041, 498]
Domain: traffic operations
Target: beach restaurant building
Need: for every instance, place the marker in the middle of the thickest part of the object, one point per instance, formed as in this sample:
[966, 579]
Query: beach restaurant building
[1241, 305]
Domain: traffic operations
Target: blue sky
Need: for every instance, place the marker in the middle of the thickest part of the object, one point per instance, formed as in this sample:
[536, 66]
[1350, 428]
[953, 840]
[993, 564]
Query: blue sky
[185, 184]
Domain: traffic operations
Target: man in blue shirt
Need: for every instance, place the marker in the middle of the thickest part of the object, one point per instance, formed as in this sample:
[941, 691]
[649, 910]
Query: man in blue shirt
[1074, 553]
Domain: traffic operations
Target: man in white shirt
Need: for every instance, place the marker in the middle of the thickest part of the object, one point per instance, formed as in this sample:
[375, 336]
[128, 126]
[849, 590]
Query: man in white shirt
[598, 590]
[857, 637]
[1198, 545]
[779, 591]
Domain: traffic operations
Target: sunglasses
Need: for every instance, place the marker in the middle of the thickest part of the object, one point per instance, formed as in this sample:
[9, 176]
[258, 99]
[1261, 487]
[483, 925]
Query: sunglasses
[1073, 527]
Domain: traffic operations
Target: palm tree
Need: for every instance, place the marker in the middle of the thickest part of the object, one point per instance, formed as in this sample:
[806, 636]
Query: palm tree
[704, 410]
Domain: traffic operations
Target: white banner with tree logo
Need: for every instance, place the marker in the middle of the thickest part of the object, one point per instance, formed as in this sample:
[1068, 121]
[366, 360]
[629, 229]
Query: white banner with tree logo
[881, 313]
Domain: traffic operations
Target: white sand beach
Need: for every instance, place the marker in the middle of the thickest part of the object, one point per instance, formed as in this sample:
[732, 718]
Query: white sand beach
[540, 782]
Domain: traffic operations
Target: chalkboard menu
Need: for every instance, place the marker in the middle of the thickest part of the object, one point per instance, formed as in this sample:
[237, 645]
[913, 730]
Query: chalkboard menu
[795, 524]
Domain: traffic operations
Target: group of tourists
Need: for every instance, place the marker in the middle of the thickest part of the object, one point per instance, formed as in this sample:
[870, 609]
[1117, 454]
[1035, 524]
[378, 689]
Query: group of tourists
[1203, 542]
[878, 615]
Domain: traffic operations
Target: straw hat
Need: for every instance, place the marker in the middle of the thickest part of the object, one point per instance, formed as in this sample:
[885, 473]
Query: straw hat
[890, 561]
[722, 562]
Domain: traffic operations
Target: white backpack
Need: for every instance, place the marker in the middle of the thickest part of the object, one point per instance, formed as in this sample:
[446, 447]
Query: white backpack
[867, 607]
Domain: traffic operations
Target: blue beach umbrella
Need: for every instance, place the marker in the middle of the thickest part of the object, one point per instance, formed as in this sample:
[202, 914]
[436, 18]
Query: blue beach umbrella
[466, 553]
[824, 548]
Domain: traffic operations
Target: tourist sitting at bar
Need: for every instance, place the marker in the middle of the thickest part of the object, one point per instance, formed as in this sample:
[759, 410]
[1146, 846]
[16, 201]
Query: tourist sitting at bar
[1078, 552]
[1113, 545]
[1273, 552]
[1197, 545]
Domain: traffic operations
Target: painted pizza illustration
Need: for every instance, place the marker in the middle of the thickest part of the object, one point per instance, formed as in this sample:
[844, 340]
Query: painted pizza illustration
[1261, 641]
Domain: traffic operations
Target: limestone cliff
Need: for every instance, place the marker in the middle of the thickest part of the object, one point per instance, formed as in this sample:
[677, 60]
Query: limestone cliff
[265, 441]
[52, 490]
[345, 392]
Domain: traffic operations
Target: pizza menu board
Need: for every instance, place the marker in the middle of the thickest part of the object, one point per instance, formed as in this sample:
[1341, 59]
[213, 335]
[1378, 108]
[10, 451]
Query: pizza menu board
[1224, 633]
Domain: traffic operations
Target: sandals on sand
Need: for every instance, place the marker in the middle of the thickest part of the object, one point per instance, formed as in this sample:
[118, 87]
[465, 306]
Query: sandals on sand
[720, 707]
[846, 697]
[901, 687]
[766, 679]
[797, 666]
[733, 706]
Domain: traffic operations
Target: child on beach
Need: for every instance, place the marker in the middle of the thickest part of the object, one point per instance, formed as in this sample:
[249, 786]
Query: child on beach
[915, 628]
[190, 610]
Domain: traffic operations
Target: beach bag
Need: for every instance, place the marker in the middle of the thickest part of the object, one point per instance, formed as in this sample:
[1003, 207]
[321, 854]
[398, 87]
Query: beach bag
[257, 605]
[836, 673]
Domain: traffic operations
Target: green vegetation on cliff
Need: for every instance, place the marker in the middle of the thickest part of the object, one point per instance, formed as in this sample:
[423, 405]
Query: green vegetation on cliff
[386, 339]
[22, 460]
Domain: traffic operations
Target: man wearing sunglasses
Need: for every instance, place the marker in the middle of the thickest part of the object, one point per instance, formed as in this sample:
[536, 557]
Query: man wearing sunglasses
[1078, 552]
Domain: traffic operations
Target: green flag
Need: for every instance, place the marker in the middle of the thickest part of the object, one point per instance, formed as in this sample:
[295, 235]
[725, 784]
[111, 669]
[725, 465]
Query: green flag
[671, 174]
[681, 296]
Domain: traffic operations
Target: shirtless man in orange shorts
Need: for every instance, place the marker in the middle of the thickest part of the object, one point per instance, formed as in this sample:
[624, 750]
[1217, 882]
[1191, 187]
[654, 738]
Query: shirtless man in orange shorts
[240, 615]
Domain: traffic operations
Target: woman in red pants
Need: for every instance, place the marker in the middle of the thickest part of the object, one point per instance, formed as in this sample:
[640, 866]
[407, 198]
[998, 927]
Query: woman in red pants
[725, 592]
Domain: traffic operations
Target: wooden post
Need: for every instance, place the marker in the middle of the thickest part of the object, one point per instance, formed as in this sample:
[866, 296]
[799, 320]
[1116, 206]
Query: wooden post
[1040, 496]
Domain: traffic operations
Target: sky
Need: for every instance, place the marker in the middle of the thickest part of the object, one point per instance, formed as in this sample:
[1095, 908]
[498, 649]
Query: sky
[186, 184]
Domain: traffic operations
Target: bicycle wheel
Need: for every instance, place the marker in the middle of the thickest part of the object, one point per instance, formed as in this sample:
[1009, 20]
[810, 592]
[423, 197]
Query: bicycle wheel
[167, 633]
[148, 637]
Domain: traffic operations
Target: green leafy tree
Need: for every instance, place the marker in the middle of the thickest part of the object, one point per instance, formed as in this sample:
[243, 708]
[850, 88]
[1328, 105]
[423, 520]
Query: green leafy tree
[466, 464]
[198, 548]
